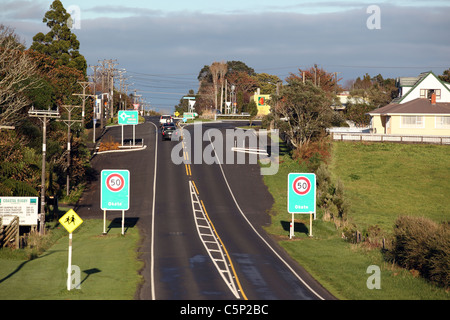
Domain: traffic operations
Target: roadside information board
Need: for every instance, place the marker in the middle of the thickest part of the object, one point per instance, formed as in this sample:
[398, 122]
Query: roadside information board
[128, 117]
[302, 193]
[301, 196]
[26, 208]
[115, 190]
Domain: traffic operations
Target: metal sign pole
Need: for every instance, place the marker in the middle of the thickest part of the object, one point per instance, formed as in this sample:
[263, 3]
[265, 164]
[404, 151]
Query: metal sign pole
[69, 267]
[291, 234]
[123, 221]
[104, 222]
[310, 224]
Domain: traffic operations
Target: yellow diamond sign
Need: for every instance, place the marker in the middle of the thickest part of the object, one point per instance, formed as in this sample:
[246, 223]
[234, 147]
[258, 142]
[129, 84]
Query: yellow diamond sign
[70, 221]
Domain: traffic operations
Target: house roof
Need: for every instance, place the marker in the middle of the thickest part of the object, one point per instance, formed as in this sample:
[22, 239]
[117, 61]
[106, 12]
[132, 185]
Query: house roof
[416, 106]
[418, 80]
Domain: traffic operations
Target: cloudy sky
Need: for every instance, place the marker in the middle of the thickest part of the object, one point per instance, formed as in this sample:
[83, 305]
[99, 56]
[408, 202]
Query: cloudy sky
[164, 44]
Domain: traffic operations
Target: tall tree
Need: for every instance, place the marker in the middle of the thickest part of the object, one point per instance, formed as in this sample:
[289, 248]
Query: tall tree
[327, 81]
[17, 77]
[59, 43]
[306, 109]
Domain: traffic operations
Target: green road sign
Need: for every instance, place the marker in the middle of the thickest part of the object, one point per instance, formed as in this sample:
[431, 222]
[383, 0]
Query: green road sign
[128, 117]
[115, 190]
[302, 193]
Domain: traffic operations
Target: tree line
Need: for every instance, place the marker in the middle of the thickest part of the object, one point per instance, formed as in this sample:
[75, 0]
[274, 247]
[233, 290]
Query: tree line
[44, 76]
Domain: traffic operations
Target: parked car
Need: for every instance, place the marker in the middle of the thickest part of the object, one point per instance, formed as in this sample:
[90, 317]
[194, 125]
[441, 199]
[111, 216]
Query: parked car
[165, 118]
[168, 130]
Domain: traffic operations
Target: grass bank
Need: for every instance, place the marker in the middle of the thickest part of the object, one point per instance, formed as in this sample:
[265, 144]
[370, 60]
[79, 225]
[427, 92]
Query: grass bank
[372, 174]
[108, 266]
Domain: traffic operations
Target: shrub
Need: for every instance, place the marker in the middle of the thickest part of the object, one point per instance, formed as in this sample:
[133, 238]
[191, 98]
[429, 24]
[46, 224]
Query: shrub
[331, 196]
[423, 245]
[314, 153]
[108, 144]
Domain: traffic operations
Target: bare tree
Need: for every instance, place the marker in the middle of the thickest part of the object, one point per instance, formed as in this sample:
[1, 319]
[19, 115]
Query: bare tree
[214, 68]
[223, 68]
[17, 75]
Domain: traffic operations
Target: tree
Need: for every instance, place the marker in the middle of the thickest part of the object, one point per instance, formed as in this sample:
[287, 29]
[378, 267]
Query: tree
[18, 75]
[215, 71]
[445, 76]
[306, 109]
[60, 43]
[252, 110]
[327, 81]
[267, 83]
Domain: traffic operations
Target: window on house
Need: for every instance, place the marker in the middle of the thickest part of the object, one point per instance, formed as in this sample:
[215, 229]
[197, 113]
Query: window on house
[426, 93]
[443, 122]
[412, 122]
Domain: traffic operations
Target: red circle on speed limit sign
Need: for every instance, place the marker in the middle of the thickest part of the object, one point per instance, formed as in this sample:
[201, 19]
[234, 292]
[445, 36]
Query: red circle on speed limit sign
[301, 186]
[115, 182]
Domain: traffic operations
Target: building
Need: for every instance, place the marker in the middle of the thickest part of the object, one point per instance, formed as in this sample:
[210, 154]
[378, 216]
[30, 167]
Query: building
[261, 102]
[422, 108]
[344, 98]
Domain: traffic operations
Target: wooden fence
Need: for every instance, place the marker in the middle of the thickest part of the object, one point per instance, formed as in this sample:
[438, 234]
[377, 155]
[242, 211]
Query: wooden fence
[9, 235]
[368, 137]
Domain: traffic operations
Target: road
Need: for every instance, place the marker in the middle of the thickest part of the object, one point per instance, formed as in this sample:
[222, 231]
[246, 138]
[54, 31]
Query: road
[202, 223]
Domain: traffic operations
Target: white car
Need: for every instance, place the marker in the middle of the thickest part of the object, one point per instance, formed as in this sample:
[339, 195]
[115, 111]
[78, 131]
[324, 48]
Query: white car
[165, 118]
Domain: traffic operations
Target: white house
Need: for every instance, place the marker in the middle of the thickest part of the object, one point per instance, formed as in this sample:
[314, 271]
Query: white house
[422, 108]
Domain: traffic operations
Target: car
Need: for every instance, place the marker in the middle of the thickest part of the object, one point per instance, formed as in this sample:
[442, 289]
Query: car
[165, 118]
[168, 130]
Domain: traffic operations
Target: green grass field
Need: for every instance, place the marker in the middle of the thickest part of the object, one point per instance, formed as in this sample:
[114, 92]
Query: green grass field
[385, 180]
[108, 264]
[381, 182]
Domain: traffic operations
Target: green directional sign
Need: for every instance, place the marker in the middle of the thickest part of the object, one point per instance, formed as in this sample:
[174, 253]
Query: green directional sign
[115, 190]
[128, 117]
[302, 193]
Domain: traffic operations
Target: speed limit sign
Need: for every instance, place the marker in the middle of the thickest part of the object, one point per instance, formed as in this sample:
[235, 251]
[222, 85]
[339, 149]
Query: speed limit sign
[115, 182]
[302, 193]
[115, 190]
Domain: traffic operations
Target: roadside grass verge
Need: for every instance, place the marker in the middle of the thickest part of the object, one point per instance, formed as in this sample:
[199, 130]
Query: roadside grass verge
[109, 267]
[385, 180]
[340, 266]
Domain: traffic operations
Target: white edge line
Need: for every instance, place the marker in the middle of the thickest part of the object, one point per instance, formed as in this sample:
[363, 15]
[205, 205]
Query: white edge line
[152, 245]
[257, 233]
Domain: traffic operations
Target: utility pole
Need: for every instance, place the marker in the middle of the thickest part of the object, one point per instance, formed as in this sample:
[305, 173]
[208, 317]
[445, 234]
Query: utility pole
[335, 82]
[315, 75]
[84, 85]
[111, 69]
[44, 116]
[69, 123]
[94, 119]
[103, 90]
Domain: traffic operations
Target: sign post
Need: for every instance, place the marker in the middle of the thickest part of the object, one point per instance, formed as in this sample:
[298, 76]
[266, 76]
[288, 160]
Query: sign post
[115, 193]
[128, 117]
[301, 197]
[70, 221]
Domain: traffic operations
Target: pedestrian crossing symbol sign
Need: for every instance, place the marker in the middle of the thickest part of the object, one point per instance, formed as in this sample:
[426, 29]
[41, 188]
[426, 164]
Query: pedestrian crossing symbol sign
[70, 221]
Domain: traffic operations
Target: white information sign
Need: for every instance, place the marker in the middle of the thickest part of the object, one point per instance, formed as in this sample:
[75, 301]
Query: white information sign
[26, 208]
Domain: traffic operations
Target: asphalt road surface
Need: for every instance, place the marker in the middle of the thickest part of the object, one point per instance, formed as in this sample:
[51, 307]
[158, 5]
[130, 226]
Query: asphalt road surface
[201, 223]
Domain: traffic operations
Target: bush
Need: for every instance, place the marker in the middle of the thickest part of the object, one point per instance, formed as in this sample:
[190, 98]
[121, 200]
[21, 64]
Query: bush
[423, 245]
[314, 153]
[108, 144]
[331, 196]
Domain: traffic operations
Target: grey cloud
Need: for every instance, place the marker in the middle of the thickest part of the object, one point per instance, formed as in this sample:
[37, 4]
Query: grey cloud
[184, 42]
